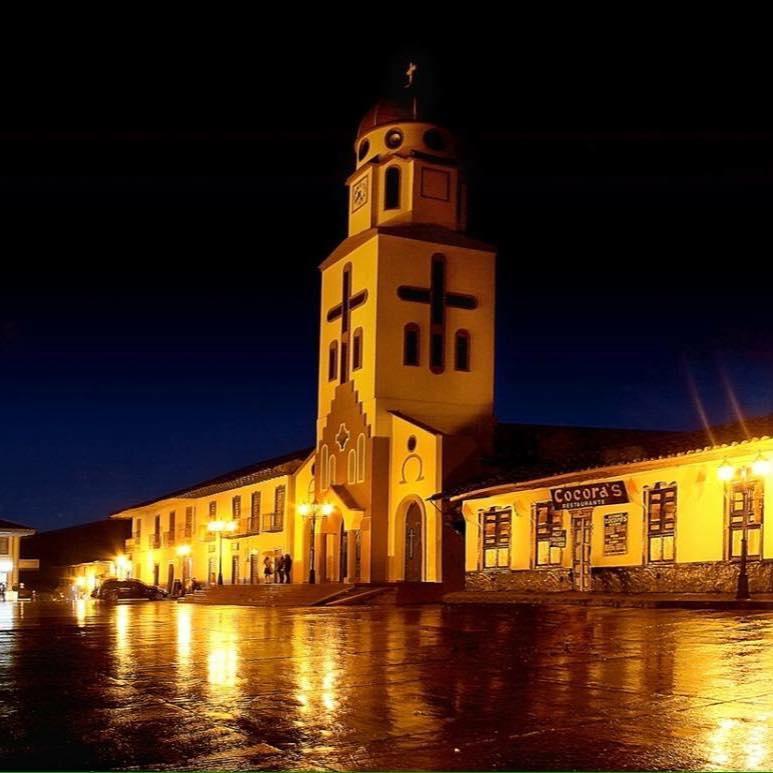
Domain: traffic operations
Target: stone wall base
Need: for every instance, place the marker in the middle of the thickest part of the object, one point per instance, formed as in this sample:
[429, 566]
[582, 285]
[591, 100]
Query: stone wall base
[536, 581]
[709, 577]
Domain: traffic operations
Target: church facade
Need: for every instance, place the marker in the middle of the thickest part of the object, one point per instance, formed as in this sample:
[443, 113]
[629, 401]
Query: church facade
[405, 393]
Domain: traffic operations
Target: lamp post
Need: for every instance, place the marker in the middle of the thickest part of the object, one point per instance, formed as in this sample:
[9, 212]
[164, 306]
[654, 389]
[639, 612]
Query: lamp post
[726, 473]
[313, 510]
[219, 527]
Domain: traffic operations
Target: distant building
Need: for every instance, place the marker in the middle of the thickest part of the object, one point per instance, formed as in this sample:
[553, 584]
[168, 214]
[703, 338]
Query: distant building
[89, 551]
[170, 538]
[10, 556]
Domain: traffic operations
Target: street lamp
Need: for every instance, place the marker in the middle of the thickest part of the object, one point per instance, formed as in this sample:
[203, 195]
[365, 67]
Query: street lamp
[313, 510]
[219, 527]
[122, 564]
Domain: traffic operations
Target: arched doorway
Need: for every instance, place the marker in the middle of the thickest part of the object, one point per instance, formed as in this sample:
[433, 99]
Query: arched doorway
[414, 543]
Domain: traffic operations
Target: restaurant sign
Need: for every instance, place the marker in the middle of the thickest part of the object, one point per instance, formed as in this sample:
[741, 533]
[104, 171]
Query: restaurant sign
[590, 495]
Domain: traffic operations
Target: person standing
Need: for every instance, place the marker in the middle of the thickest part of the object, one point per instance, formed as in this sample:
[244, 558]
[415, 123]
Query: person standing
[288, 568]
[279, 568]
[267, 570]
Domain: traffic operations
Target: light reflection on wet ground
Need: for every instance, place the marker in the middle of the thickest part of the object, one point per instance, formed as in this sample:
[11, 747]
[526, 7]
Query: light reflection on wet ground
[161, 685]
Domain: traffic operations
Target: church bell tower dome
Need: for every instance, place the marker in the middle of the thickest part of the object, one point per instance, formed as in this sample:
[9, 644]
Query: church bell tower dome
[396, 127]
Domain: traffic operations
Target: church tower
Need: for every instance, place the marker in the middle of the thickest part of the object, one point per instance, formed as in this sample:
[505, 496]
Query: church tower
[406, 368]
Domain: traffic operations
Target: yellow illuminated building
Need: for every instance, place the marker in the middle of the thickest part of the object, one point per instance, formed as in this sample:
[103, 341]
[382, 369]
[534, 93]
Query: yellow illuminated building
[10, 561]
[675, 523]
[405, 426]
[405, 392]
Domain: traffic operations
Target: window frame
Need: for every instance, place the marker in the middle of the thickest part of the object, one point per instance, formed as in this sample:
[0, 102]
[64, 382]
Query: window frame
[746, 481]
[542, 534]
[411, 328]
[392, 188]
[357, 349]
[459, 336]
[332, 361]
[660, 533]
[503, 523]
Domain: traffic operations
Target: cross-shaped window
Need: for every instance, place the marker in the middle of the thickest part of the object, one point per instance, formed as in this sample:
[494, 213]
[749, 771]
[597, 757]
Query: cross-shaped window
[438, 299]
[343, 311]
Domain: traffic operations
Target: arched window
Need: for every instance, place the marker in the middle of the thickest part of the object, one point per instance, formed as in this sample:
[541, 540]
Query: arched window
[332, 362]
[332, 470]
[361, 458]
[324, 469]
[462, 350]
[392, 188]
[357, 349]
[411, 344]
[351, 467]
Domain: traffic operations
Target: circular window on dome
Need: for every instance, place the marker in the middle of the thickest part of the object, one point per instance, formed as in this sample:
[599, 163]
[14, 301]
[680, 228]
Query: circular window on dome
[394, 138]
[363, 149]
[412, 443]
[434, 140]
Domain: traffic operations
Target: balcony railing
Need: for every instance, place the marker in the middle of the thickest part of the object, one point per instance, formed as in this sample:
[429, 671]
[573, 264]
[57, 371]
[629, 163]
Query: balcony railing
[187, 532]
[169, 539]
[131, 543]
[273, 521]
[249, 525]
[154, 541]
[205, 535]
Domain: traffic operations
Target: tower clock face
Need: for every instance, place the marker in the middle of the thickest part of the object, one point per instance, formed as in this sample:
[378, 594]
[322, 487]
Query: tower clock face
[359, 193]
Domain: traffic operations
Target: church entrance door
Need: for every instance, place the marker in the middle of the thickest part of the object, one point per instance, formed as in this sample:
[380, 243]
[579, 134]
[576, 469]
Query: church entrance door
[413, 544]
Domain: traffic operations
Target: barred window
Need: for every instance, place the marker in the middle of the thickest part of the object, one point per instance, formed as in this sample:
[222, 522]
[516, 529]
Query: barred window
[236, 507]
[496, 528]
[745, 506]
[661, 523]
[279, 507]
[546, 519]
[212, 510]
[189, 521]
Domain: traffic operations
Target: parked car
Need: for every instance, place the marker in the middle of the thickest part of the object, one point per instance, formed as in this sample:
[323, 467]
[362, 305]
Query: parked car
[130, 590]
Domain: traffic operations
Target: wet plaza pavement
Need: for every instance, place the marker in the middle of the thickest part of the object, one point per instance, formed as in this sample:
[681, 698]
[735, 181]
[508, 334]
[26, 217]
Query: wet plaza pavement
[160, 685]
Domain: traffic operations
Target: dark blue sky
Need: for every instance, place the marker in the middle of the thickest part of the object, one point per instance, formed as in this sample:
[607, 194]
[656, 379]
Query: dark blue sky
[163, 226]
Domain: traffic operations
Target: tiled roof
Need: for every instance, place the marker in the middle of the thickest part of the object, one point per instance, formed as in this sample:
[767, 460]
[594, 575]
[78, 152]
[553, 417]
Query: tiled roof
[11, 526]
[620, 447]
[244, 476]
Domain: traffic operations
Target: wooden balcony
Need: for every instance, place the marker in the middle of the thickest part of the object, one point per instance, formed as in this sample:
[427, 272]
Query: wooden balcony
[205, 535]
[247, 526]
[273, 522]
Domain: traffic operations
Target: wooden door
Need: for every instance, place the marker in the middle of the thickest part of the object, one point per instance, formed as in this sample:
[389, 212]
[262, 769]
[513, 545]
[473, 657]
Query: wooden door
[414, 544]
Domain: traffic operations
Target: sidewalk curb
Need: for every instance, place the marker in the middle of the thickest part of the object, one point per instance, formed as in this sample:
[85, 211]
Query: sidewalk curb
[494, 598]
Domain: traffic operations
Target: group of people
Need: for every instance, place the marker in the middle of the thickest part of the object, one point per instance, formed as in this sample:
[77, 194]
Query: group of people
[278, 569]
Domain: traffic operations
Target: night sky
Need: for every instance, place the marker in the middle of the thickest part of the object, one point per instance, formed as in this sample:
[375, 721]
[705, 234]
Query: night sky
[165, 209]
